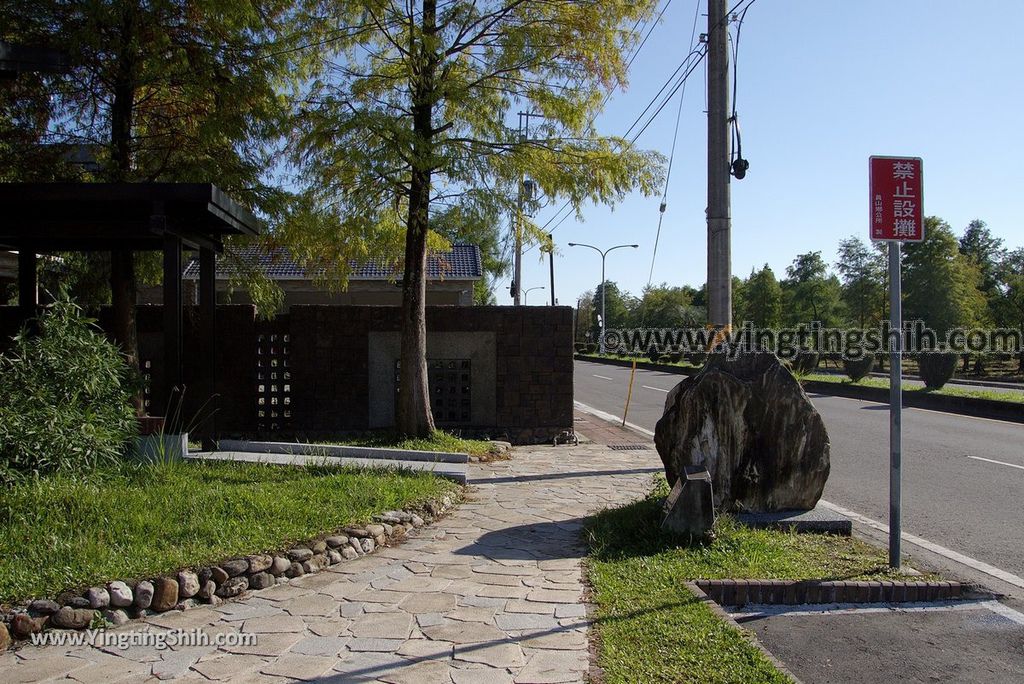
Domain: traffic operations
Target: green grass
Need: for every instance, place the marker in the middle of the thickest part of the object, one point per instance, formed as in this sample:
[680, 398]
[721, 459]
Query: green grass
[137, 521]
[650, 629]
[949, 391]
[439, 441]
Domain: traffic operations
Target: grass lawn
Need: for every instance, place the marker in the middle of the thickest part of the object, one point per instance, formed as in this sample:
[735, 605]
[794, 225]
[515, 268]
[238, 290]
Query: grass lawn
[439, 441]
[948, 390]
[60, 532]
[650, 629]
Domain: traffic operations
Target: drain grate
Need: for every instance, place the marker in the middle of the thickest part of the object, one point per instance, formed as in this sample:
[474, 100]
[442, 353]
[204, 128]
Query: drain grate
[629, 447]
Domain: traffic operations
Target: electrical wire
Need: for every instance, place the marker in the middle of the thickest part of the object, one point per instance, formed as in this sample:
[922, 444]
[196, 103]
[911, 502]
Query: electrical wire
[699, 54]
[671, 158]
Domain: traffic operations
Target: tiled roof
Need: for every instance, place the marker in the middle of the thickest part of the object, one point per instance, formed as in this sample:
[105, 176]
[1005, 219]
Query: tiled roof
[461, 263]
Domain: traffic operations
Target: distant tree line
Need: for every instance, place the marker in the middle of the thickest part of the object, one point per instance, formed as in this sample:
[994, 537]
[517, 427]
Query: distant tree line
[949, 281]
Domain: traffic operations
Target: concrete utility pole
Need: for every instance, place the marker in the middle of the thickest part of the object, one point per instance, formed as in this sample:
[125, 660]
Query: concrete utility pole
[551, 263]
[517, 278]
[718, 212]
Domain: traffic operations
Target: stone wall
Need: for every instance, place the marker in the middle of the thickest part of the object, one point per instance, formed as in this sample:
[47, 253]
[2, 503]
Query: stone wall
[322, 384]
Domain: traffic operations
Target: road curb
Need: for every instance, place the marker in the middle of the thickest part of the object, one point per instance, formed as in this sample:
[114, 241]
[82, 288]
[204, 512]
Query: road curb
[738, 592]
[720, 613]
[964, 406]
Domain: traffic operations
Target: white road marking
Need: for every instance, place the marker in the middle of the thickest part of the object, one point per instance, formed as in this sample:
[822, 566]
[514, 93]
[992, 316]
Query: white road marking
[603, 377]
[656, 389]
[1007, 577]
[989, 460]
[597, 413]
[861, 608]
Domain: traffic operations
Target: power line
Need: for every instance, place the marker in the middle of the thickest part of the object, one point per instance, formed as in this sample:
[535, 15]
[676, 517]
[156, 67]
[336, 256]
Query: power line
[671, 157]
[739, 7]
[682, 80]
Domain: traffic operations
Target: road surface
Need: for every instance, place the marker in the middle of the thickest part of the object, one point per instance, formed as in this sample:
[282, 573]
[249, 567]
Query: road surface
[963, 477]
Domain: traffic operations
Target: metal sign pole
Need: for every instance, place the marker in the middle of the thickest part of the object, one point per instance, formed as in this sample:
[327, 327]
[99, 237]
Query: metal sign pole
[895, 403]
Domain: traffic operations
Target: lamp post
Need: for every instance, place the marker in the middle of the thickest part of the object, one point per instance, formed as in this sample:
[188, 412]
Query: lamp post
[526, 293]
[603, 253]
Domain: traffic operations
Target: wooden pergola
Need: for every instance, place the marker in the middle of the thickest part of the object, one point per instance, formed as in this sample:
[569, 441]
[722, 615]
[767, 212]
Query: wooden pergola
[42, 218]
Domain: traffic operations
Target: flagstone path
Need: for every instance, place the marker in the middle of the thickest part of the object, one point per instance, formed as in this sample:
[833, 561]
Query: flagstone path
[492, 593]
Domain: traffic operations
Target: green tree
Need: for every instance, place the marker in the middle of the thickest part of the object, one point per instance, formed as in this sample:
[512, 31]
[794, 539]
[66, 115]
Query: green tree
[985, 251]
[663, 306]
[863, 273]
[763, 299]
[171, 91]
[1010, 312]
[810, 293]
[409, 119]
[940, 285]
[618, 307]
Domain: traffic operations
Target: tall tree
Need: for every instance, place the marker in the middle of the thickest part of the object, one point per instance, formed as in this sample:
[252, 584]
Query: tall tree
[763, 299]
[1011, 308]
[862, 270]
[940, 285]
[663, 306]
[618, 307]
[985, 251]
[170, 90]
[410, 118]
[810, 293]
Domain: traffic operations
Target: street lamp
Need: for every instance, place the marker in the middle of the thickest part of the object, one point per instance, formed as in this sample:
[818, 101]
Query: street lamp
[603, 253]
[526, 294]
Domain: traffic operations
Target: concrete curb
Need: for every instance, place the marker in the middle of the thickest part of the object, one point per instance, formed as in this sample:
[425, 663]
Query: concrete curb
[965, 406]
[340, 451]
[738, 592]
[720, 613]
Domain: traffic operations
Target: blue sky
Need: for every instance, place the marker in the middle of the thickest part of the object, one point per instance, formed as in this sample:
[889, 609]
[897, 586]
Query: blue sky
[822, 86]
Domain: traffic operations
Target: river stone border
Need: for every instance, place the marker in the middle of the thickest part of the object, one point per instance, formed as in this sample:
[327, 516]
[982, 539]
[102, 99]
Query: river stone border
[119, 601]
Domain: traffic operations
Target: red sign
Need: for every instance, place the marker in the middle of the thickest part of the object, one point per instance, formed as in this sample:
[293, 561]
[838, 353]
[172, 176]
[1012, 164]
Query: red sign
[896, 199]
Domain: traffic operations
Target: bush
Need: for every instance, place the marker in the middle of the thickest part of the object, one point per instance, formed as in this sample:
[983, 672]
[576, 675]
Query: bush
[858, 369]
[936, 368]
[654, 354]
[805, 362]
[65, 398]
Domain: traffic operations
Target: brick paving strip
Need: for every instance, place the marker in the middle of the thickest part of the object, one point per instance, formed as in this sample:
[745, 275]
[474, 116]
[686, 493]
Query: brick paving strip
[492, 593]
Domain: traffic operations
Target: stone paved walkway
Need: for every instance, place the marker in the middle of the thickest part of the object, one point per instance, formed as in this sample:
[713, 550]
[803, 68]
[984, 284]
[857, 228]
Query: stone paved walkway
[490, 594]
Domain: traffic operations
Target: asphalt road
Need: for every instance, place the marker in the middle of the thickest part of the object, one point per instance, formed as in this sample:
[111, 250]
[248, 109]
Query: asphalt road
[951, 496]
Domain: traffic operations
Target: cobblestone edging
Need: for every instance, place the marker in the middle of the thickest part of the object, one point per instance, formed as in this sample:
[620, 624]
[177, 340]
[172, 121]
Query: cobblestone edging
[738, 592]
[119, 601]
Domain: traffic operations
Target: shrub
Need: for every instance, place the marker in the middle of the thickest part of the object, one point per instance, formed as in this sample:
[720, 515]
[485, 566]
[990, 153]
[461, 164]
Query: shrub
[858, 369]
[936, 368]
[654, 354]
[65, 397]
[805, 362]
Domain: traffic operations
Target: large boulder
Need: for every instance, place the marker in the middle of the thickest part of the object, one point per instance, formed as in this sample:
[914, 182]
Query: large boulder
[748, 421]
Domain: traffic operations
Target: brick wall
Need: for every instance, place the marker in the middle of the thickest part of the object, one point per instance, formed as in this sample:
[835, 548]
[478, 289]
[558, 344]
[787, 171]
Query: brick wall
[328, 368]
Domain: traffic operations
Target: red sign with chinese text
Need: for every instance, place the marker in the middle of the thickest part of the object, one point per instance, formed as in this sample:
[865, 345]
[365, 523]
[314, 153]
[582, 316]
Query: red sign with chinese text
[896, 199]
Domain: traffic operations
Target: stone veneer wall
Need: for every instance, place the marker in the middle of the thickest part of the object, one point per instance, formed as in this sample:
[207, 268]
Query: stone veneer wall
[329, 366]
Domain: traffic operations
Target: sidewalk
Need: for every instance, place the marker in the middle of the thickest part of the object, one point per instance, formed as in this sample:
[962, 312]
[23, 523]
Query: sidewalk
[493, 593]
